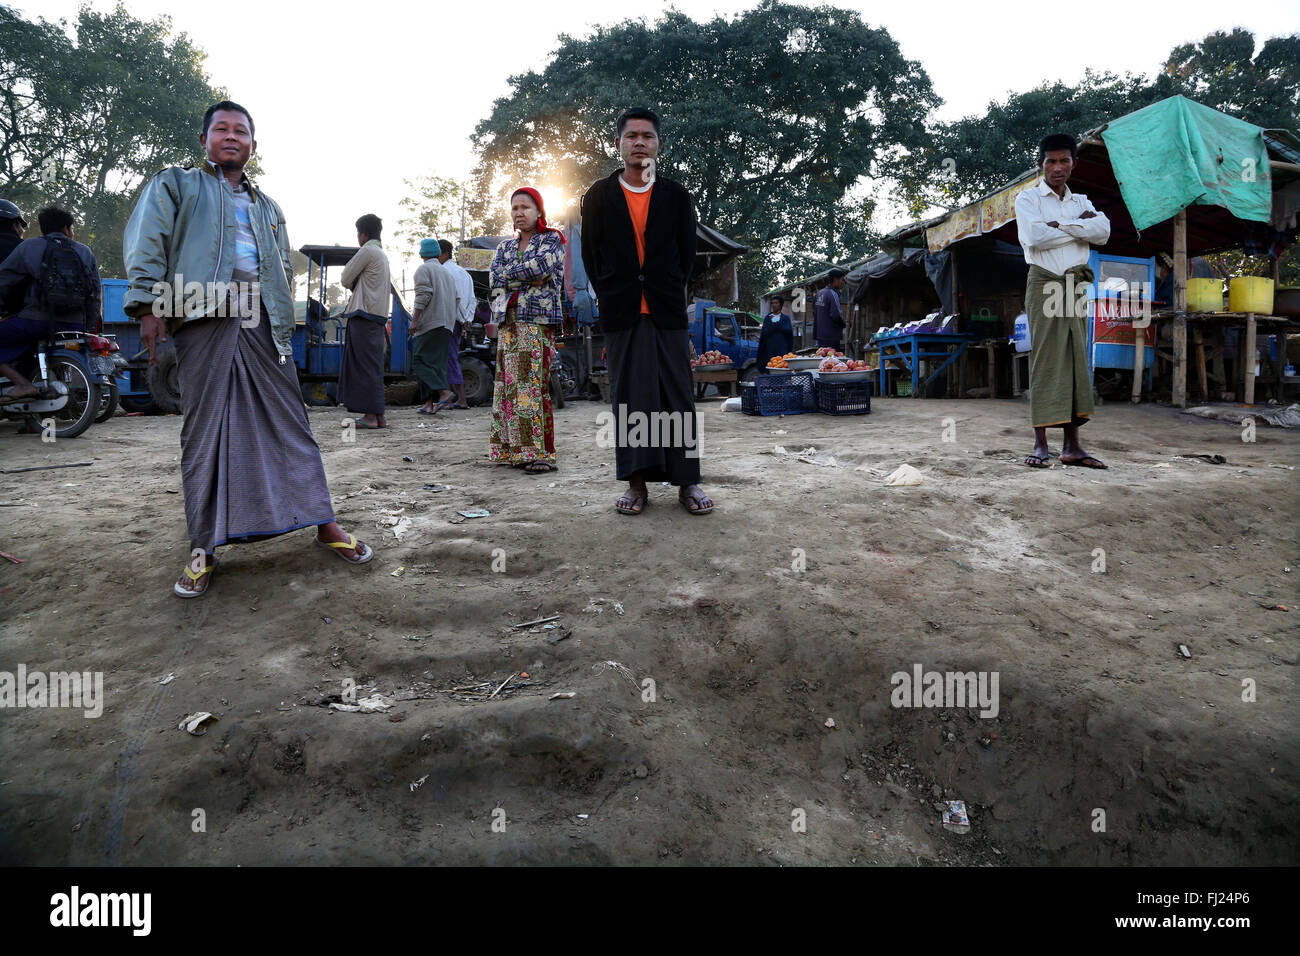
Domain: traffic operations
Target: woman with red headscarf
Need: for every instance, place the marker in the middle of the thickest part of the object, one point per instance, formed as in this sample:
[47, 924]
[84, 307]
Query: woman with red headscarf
[527, 283]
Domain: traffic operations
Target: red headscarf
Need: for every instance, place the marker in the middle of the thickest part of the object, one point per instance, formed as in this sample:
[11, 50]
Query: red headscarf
[541, 210]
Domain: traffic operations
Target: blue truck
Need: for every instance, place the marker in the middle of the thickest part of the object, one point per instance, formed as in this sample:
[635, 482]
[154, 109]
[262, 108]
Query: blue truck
[733, 333]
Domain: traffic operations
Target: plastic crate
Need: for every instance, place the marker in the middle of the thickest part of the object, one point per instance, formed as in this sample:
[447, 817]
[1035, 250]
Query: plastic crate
[844, 398]
[792, 394]
[903, 387]
[749, 398]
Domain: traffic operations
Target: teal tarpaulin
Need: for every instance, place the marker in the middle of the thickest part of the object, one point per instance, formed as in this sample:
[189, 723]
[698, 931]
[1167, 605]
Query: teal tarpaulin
[1177, 153]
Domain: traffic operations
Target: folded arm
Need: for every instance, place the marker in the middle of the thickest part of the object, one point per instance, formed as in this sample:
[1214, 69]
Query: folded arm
[1094, 229]
[544, 261]
[355, 267]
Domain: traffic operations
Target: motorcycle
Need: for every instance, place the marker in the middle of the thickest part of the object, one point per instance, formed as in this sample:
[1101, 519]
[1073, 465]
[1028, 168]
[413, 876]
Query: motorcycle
[107, 363]
[66, 368]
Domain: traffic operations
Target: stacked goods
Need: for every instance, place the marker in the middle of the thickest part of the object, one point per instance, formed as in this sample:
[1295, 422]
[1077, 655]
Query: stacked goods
[781, 361]
[841, 364]
[825, 352]
[710, 359]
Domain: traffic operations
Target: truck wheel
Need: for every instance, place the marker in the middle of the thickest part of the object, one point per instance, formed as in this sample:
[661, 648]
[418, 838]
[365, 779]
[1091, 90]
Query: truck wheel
[557, 393]
[478, 380]
[165, 380]
[134, 404]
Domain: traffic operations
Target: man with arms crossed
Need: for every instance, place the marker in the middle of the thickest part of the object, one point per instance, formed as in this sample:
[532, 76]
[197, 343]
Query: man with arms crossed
[1057, 230]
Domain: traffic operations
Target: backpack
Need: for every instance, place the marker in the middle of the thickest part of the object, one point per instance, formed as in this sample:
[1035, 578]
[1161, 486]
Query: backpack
[62, 286]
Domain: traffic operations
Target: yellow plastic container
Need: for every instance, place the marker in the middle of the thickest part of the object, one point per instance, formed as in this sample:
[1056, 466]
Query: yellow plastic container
[1250, 294]
[1204, 295]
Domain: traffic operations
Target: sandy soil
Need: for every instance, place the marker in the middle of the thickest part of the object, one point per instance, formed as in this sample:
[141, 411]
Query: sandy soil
[987, 566]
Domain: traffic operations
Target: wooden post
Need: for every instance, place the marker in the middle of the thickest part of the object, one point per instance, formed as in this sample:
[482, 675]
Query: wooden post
[1200, 365]
[1250, 351]
[952, 261]
[1180, 308]
[1218, 364]
[992, 370]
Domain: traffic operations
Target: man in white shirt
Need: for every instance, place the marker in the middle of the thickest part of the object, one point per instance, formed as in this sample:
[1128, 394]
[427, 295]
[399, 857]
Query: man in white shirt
[1057, 230]
[466, 302]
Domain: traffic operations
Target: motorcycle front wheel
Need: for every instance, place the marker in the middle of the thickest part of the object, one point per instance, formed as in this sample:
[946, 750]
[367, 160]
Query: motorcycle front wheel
[83, 398]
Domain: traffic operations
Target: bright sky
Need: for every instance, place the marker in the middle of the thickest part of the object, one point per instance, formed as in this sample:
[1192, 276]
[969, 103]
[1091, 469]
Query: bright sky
[351, 98]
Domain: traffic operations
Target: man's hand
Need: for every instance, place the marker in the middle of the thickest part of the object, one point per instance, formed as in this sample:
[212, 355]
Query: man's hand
[1088, 215]
[152, 331]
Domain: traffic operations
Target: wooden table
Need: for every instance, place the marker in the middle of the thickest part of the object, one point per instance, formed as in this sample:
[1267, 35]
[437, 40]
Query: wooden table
[1200, 322]
[725, 376]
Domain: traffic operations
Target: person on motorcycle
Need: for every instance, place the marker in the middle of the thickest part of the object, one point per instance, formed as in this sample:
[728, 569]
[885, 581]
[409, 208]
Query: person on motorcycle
[37, 281]
[12, 227]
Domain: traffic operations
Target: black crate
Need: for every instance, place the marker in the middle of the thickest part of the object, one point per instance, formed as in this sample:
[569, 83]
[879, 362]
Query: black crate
[749, 398]
[844, 398]
[792, 394]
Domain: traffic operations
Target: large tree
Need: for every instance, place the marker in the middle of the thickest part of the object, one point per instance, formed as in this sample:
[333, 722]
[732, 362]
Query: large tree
[771, 119]
[437, 206]
[87, 113]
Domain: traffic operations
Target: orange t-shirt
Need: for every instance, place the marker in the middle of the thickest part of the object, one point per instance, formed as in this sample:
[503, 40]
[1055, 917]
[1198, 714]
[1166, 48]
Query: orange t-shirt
[638, 204]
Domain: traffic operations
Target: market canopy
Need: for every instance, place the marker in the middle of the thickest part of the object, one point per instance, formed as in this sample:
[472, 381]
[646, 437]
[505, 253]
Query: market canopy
[878, 267]
[1178, 153]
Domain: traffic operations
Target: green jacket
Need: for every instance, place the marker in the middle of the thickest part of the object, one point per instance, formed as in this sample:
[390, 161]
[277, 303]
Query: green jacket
[183, 230]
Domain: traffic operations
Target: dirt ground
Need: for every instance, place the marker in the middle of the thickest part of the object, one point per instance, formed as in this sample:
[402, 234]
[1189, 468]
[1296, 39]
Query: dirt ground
[712, 742]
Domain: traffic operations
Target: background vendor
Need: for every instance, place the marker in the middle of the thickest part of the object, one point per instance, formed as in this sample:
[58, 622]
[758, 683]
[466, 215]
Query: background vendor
[777, 335]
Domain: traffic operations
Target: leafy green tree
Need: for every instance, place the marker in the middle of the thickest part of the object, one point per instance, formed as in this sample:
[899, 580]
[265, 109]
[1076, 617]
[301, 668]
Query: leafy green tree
[1223, 71]
[770, 120]
[86, 117]
[439, 207]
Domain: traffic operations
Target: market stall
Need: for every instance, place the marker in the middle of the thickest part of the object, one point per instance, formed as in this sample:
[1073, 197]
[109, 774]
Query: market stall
[1176, 177]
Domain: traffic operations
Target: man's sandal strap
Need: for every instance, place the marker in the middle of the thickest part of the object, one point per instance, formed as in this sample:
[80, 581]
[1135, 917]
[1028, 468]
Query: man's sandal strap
[195, 577]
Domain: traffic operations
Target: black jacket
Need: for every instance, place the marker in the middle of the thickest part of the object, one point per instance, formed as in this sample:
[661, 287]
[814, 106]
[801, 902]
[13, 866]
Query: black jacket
[9, 241]
[18, 274]
[610, 257]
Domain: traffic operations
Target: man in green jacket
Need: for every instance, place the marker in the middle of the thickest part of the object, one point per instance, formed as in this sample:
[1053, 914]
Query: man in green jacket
[207, 251]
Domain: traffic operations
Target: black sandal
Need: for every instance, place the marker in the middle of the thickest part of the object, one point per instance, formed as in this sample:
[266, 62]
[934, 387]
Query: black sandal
[635, 503]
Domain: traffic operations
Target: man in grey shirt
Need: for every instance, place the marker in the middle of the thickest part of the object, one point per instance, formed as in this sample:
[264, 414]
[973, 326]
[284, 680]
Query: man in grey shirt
[436, 314]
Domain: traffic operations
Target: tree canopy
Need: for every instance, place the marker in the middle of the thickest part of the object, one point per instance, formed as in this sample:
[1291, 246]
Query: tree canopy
[87, 114]
[770, 119]
[1222, 71]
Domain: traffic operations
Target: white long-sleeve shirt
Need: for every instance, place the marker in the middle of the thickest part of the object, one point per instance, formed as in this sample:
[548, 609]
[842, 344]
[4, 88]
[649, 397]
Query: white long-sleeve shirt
[466, 302]
[1057, 249]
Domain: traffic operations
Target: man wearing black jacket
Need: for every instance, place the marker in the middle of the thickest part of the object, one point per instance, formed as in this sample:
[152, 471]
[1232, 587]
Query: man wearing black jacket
[638, 247]
[12, 227]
